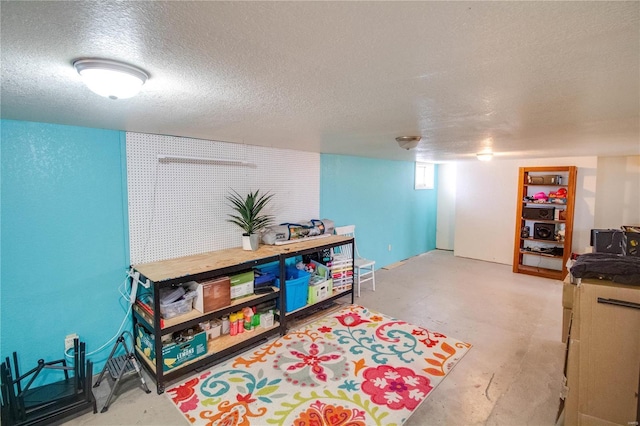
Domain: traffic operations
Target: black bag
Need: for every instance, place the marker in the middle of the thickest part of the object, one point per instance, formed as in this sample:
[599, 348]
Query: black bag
[607, 266]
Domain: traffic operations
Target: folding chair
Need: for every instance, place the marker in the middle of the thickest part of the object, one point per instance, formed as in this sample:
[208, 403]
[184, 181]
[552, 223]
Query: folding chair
[50, 403]
[364, 268]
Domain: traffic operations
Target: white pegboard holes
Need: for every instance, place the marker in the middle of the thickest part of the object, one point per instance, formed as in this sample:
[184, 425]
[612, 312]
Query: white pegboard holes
[178, 208]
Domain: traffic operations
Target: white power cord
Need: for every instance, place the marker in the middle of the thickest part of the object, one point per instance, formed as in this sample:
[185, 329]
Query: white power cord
[129, 297]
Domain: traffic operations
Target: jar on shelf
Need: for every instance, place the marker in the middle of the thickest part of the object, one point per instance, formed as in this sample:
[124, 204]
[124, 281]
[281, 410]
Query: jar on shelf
[225, 325]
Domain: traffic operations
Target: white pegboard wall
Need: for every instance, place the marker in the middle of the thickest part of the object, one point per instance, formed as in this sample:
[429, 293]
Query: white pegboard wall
[179, 208]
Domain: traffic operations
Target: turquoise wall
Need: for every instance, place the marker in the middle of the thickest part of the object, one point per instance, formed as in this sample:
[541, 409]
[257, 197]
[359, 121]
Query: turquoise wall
[64, 231]
[378, 196]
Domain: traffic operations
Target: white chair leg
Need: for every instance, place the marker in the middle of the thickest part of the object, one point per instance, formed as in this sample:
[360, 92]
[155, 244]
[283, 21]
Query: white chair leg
[373, 278]
[358, 279]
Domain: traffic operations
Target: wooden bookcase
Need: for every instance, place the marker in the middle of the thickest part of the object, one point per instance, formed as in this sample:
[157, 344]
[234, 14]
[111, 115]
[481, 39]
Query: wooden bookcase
[543, 252]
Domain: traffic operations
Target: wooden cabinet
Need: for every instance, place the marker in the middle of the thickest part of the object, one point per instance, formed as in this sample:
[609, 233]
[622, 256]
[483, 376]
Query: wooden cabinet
[175, 272]
[544, 220]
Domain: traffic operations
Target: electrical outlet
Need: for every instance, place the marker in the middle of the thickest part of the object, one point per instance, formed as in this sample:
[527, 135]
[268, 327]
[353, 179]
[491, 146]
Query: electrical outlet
[389, 247]
[68, 341]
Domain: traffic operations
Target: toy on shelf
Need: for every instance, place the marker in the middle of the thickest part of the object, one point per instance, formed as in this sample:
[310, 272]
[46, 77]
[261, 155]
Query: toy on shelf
[554, 197]
[538, 197]
[307, 267]
[559, 196]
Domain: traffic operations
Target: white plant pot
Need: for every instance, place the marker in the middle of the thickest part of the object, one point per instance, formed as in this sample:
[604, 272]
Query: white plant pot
[246, 242]
[251, 242]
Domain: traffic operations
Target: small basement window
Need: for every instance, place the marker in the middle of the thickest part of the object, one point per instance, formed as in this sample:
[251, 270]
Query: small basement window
[424, 176]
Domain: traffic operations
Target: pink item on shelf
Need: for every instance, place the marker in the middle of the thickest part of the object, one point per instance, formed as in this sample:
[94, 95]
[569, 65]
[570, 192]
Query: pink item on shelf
[540, 196]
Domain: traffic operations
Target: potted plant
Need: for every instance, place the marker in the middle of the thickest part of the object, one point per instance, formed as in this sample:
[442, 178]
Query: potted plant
[249, 216]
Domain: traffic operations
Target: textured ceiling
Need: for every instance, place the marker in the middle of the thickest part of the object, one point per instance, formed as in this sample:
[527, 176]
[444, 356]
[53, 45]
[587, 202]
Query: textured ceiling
[526, 79]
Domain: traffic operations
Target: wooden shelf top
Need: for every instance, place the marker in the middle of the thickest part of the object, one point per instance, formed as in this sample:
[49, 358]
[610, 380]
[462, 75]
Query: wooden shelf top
[535, 203]
[553, 169]
[535, 253]
[164, 270]
[541, 272]
[544, 220]
[557, 243]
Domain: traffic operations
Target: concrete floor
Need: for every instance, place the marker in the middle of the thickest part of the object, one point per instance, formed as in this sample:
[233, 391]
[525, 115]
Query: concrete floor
[511, 376]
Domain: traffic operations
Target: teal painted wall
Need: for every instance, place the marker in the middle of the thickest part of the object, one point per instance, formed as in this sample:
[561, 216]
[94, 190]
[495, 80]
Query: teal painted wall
[64, 231]
[378, 196]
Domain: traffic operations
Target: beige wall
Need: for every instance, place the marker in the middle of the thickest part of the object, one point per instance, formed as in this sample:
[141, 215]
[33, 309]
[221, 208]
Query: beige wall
[617, 192]
[486, 201]
[445, 228]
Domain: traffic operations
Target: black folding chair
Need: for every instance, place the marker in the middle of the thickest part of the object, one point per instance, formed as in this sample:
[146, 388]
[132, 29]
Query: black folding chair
[23, 404]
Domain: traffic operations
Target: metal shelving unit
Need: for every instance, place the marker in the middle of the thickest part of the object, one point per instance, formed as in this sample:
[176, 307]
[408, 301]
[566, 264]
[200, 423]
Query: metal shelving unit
[301, 251]
[174, 272]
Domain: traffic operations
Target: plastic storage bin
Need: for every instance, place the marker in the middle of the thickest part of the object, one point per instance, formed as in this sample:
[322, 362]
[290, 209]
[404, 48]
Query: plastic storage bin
[297, 287]
[320, 291]
[176, 308]
[272, 268]
[320, 275]
[170, 295]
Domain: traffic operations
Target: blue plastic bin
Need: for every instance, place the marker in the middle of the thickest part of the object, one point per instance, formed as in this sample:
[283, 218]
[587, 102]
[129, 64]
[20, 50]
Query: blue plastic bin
[272, 268]
[297, 283]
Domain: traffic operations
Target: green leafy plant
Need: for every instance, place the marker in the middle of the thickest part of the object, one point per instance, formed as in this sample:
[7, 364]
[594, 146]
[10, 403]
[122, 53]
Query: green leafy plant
[249, 211]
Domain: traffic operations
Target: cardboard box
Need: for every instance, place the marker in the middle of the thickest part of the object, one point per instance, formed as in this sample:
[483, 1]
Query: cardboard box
[572, 383]
[566, 322]
[574, 330]
[173, 354]
[241, 284]
[567, 295]
[211, 295]
[602, 359]
[609, 352]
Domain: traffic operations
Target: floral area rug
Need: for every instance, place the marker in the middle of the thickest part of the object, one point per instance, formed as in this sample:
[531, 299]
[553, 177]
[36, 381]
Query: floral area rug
[354, 367]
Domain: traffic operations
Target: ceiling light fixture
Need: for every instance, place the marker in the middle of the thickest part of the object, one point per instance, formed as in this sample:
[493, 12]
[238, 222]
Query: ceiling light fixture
[408, 142]
[484, 156]
[111, 79]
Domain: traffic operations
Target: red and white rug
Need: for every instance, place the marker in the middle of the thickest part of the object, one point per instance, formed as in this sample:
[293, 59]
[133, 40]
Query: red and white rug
[353, 367]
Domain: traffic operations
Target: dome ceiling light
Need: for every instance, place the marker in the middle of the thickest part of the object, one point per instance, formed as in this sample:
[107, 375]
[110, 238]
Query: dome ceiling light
[408, 142]
[111, 79]
[484, 156]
